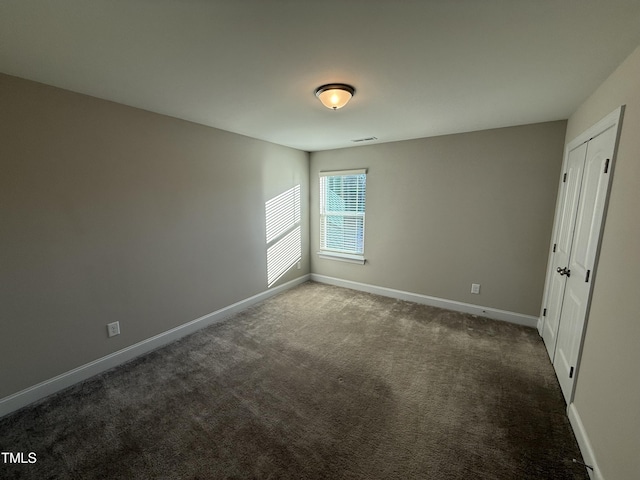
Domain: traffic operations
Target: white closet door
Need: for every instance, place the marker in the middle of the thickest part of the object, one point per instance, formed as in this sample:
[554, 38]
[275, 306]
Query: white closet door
[577, 231]
[584, 249]
[570, 196]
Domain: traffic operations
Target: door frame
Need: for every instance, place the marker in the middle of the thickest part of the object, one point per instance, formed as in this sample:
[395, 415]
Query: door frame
[614, 119]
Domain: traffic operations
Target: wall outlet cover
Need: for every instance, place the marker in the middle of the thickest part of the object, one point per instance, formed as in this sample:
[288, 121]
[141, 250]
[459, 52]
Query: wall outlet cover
[113, 329]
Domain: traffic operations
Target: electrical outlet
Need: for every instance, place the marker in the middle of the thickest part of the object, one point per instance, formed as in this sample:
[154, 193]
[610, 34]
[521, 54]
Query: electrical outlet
[113, 329]
[475, 288]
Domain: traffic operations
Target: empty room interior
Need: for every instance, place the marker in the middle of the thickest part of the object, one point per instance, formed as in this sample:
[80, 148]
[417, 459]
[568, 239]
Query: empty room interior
[292, 239]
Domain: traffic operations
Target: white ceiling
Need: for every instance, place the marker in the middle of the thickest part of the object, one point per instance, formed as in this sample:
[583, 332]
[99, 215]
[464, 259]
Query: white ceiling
[420, 68]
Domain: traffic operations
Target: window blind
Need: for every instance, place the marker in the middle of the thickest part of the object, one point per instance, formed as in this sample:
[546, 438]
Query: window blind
[342, 211]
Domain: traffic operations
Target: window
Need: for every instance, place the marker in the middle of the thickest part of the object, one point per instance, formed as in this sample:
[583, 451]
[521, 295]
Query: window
[284, 240]
[342, 205]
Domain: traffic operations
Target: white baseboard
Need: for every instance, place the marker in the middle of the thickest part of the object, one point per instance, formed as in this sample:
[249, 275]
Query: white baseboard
[540, 325]
[496, 314]
[43, 389]
[583, 442]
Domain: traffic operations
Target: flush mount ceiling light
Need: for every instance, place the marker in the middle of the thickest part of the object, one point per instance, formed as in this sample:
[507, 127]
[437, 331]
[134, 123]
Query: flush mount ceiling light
[335, 95]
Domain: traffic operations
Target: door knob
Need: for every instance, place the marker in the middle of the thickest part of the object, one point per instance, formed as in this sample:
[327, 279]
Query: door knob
[564, 271]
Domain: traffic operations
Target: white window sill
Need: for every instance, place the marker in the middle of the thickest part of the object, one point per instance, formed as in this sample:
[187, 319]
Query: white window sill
[342, 257]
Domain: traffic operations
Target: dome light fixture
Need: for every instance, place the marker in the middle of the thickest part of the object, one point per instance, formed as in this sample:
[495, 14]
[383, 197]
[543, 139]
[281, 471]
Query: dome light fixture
[335, 95]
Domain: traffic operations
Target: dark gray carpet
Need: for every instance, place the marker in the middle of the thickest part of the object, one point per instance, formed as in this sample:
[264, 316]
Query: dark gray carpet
[318, 382]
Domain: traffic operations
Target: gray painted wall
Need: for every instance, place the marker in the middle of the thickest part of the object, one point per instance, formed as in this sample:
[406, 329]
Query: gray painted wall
[607, 394]
[445, 212]
[114, 213]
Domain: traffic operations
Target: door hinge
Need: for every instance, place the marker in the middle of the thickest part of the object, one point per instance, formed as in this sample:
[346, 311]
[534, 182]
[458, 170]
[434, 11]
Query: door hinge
[588, 273]
[571, 373]
[606, 166]
[554, 247]
[544, 312]
[564, 178]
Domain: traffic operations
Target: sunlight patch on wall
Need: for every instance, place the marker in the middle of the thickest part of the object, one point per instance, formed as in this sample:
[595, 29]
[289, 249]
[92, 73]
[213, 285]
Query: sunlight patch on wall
[284, 236]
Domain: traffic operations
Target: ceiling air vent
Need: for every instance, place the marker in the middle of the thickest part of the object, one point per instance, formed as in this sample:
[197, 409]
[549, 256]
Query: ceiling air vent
[367, 139]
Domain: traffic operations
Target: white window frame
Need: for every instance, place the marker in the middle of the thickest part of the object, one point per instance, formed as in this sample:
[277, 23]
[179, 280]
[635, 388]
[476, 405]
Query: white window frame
[341, 254]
